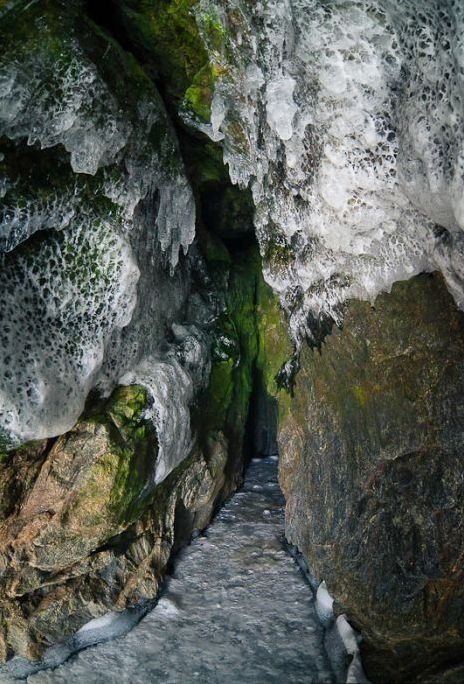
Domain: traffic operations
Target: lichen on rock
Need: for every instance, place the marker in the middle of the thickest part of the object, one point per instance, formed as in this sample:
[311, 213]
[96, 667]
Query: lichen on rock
[143, 355]
[86, 531]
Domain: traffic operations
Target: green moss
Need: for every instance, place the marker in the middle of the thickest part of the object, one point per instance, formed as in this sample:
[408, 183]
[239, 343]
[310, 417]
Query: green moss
[199, 95]
[128, 484]
[251, 346]
[225, 403]
[215, 251]
[131, 459]
[277, 253]
[166, 32]
[364, 392]
[136, 452]
[220, 391]
[275, 345]
[125, 407]
[213, 31]
[205, 164]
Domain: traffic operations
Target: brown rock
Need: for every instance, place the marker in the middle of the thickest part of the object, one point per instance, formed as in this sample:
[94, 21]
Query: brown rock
[82, 534]
[371, 467]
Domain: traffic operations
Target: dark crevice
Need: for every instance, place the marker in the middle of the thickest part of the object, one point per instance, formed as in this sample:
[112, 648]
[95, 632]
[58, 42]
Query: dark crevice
[106, 15]
[320, 328]
[224, 211]
[261, 426]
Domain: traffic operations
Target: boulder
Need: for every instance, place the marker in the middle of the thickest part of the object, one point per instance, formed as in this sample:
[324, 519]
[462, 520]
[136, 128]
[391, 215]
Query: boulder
[371, 468]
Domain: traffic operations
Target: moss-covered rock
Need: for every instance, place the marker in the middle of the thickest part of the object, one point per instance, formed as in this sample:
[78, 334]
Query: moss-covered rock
[83, 529]
[371, 467]
[251, 345]
[166, 34]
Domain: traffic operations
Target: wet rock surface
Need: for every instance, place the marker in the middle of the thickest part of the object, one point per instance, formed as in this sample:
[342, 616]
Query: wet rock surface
[107, 180]
[371, 468]
[84, 533]
[236, 608]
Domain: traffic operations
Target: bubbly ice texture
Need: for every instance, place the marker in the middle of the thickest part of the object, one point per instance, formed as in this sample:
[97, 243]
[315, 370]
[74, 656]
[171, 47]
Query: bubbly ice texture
[93, 277]
[346, 118]
[236, 609]
[58, 311]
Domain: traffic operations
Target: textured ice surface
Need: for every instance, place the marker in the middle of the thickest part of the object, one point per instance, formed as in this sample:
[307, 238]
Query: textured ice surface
[324, 604]
[171, 382]
[61, 299]
[95, 212]
[237, 609]
[48, 100]
[346, 118]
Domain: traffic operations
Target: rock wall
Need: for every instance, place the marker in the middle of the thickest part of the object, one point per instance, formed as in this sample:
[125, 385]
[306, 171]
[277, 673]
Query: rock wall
[371, 468]
[133, 302]
[125, 293]
[81, 531]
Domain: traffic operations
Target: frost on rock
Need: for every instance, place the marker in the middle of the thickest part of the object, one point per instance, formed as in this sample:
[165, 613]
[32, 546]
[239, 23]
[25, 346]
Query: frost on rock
[171, 382]
[63, 295]
[346, 119]
[95, 212]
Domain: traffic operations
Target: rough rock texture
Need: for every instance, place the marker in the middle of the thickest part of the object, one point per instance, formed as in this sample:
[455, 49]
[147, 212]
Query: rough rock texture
[83, 533]
[99, 168]
[83, 528]
[371, 467]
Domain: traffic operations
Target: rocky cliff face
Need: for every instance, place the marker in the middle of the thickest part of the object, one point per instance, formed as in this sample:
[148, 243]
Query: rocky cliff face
[371, 468]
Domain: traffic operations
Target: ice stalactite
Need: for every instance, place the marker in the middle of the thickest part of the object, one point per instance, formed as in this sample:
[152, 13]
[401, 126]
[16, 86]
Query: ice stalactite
[96, 212]
[346, 120]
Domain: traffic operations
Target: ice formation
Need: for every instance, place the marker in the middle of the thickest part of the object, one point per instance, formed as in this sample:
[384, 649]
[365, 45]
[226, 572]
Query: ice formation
[350, 642]
[64, 295]
[90, 250]
[324, 604]
[346, 120]
[171, 382]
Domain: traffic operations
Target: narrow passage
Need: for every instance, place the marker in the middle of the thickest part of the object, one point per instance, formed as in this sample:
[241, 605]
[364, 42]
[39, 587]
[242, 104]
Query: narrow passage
[237, 610]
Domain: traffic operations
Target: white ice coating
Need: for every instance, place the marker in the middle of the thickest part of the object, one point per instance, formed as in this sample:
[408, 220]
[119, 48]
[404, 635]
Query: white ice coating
[57, 313]
[280, 106]
[171, 391]
[87, 302]
[339, 630]
[91, 141]
[66, 101]
[347, 121]
[350, 641]
[324, 603]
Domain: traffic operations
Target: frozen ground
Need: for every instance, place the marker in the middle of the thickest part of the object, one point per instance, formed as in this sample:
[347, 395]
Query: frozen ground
[237, 609]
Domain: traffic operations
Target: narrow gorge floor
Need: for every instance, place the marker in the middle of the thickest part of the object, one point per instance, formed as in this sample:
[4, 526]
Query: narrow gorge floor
[236, 609]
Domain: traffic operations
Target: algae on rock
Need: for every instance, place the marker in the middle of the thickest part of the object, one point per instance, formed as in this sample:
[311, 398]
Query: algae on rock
[86, 535]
